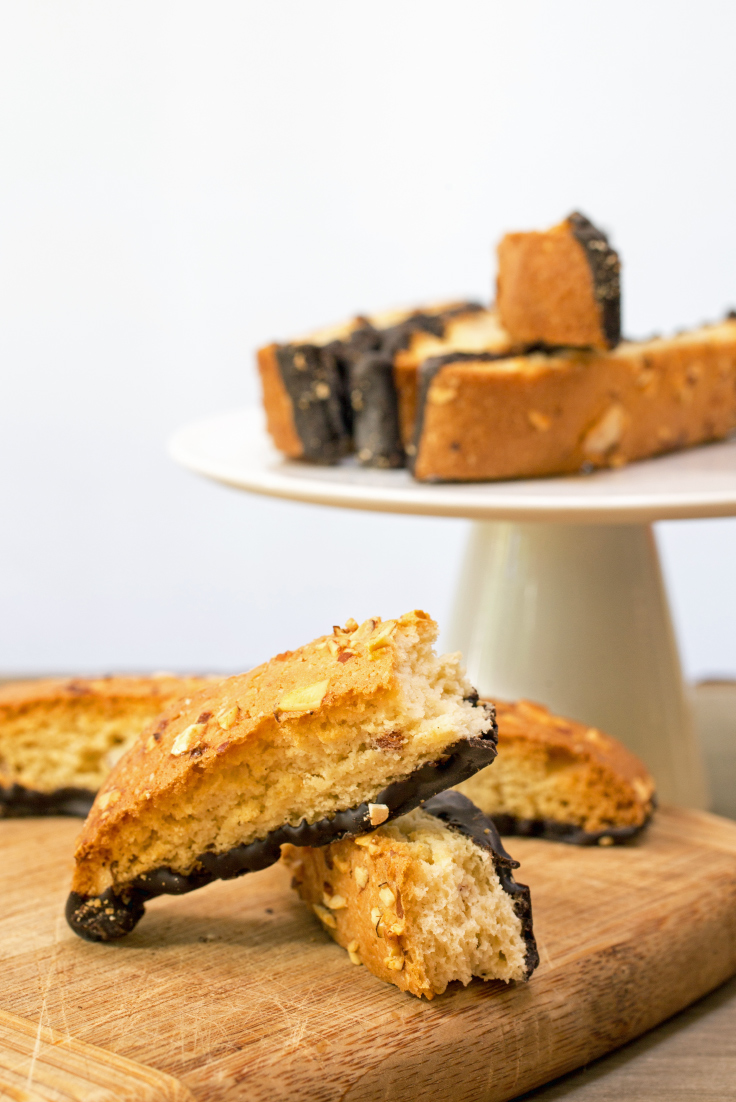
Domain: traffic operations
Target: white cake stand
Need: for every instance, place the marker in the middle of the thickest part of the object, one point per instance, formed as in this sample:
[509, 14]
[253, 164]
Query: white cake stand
[561, 597]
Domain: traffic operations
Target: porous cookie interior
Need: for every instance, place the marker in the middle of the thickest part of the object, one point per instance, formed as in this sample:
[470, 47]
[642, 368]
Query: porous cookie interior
[60, 744]
[534, 781]
[460, 922]
[306, 767]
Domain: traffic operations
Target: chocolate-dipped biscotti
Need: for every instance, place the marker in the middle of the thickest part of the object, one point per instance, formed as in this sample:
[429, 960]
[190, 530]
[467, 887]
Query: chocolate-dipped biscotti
[332, 391]
[560, 287]
[335, 738]
[468, 333]
[484, 417]
[59, 738]
[562, 780]
[423, 901]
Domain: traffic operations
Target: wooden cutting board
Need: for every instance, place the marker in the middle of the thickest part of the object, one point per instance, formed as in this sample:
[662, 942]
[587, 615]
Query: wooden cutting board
[235, 992]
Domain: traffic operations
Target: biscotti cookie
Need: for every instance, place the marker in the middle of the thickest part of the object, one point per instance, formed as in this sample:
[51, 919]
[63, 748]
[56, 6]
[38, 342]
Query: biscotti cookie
[59, 738]
[469, 331]
[335, 738]
[561, 287]
[324, 399]
[543, 414]
[424, 901]
[561, 780]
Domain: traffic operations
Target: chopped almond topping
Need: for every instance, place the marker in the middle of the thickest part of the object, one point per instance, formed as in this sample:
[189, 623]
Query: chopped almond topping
[305, 699]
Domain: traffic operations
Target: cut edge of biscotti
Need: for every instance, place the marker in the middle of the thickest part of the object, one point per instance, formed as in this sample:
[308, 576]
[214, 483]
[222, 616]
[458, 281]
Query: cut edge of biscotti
[60, 737]
[306, 381]
[425, 901]
[570, 411]
[560, 287]
[334, 738]
[562, 780]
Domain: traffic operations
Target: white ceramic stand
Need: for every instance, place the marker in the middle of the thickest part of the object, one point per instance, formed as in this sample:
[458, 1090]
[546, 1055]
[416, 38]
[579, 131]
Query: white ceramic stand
[561, 596]
[576, 616]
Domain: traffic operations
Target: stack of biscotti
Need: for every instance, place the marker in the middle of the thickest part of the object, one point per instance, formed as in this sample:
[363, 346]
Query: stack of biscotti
[332, 391]
[334, 739]
[538, 385]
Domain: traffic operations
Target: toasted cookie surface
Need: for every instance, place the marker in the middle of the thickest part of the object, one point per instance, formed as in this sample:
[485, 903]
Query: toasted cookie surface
[562, 780]
[561, 286]
[424, 901]
[484, 417]
[330, 739]
[60, 737]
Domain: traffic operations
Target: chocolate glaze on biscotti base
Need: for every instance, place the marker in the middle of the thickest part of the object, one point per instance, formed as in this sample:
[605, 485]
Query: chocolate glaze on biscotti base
[115, 912]
[17, 802]
[574, 411]
[315, 395]
[333, 738]
[423, 902]
[461, 814]
[560, 287]
[477, 331]
[563, 780]
[605, 269]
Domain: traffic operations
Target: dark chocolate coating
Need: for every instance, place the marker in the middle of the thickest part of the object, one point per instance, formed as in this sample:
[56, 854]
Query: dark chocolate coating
[605, 268]
[117, 911]
[555, 831]
[373, 397]
[376, 433]
[311, 376]
[459, 813]
[17, 802]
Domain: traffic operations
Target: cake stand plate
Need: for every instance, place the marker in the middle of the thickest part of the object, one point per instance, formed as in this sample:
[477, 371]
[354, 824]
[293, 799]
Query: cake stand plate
[560, 598]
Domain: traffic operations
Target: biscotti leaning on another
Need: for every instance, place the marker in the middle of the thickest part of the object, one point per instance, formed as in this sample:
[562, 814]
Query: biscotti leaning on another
[59, 738]
[335, 738]
[466, 334]
[424, 901]
[332, 391]
[561, 287]
[570, 411]
[562, 780]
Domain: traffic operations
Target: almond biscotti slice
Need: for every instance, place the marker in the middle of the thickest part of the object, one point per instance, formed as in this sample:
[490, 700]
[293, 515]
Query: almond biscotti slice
[467, 333]
[482, 417]
[424, 901]
[59, 738]
[331, 392]
[335, 738]
[558, 779]
[560, 287]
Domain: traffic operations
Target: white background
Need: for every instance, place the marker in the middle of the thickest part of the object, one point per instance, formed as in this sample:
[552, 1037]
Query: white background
[184, 181]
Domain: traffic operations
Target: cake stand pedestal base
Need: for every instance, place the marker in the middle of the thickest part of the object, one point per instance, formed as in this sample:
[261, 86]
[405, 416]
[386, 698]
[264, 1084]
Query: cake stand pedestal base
[576, 616]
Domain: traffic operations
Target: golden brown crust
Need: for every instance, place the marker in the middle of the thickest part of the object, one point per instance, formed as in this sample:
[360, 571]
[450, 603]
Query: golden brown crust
[545, 289]
[599, 783]
[211, 730]
[527, 722]
[277, 404]
[21, 695]
[327, 876]
[552, 414]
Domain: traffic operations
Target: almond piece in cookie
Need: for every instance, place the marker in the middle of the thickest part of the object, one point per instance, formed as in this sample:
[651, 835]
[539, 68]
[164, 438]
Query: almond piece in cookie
[351, 730]
[426, 900]
[562, 780]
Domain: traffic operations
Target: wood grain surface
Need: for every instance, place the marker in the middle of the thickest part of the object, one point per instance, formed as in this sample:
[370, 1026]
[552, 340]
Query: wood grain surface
[40, 1065]
[236, 991]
